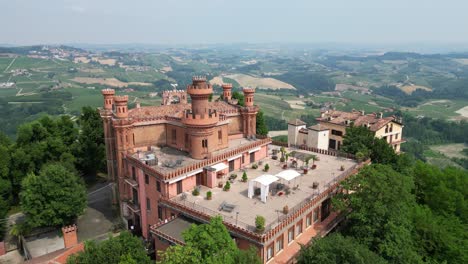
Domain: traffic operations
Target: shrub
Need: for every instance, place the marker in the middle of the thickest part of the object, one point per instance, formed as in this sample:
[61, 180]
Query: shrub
[282, 159]
[254, 166]
[209, 194]
[260, 222]
[227, 186]
[266, 168]
[244, 177]
[195, 191]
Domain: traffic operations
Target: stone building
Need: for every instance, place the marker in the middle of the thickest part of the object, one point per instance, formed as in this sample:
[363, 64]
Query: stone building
[331, 127]
[161, 156]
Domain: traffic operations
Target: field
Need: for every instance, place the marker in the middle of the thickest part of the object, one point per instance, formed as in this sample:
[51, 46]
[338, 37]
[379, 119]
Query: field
[463, 111]
[107, 81]
[409, 89]
[259, 82]
[444, 109]
[450, 150]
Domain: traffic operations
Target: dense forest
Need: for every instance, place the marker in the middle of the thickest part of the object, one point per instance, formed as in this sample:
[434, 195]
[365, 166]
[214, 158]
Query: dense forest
[398, 210]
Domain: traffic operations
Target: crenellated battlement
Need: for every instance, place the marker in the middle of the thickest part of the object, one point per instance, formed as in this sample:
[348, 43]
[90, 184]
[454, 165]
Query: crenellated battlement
[227, 85]
[192, 119]
[121, 99]
[108, 92]
[248, 90]
[199, 78]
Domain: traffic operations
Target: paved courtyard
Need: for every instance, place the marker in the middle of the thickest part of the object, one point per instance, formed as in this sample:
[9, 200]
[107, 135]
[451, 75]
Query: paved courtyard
[328, 168]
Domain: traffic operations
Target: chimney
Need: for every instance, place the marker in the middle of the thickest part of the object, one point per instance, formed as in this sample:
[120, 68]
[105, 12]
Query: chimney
[380, 115]
[362, 112]
[70, 238]
[137, 104]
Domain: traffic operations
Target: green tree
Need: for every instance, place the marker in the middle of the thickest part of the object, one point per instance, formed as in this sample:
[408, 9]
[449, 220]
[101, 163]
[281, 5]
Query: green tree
[357, 139]
[55, 197]
[239, 96]
[208, 243]
[123, 249]
[3, 214]
[90, 146]
[260, 124]
[381, 201]
[336, 248]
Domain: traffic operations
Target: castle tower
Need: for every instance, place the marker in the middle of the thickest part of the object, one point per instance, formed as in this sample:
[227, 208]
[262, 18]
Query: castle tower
[248, 96]
[227, 91]
[121, 107]
[108, 95]
[200, 120]
[249, 113]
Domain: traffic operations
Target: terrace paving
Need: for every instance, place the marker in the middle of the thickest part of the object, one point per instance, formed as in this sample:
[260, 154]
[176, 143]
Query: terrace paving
[169, 155]
[328, 169]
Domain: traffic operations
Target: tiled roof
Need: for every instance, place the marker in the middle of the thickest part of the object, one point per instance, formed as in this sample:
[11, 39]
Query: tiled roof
[296, 122]
[317, 127]
[175, 110]
[344, 118]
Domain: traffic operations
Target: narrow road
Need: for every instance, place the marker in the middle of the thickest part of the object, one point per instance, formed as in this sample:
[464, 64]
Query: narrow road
[11, 63]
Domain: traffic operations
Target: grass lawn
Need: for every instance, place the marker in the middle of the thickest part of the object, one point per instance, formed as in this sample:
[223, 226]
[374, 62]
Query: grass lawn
[443, 109]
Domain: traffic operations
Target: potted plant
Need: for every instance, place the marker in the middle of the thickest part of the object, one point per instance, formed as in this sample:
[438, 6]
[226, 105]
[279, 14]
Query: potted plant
[282, 159]
[285, 166]
[315, 185]
[342, 168]
[227, 187]
[266, 168]
[209, 195]
[260, 223]
[244, 177]
[195, 191]
[220, 184]
[314, 158]
[285, 209]
[254, 166]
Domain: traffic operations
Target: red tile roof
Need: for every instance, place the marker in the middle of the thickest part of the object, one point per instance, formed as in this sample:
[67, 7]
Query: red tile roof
[374, 121]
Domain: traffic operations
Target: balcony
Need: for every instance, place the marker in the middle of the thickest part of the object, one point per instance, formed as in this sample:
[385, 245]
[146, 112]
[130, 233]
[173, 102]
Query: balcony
[131, 182]
[133, 206]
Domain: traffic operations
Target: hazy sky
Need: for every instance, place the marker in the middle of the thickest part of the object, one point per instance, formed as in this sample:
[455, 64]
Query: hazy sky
[227, 21]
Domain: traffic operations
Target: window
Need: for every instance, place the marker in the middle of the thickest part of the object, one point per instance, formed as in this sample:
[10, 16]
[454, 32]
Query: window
[134, 139]
[205, 143]
[291, 235]
[146, 179]
[316, 211]
[133, 173]
[187, 141]
[220, 134]
[391, 127]
[279, 244]
[160, 212]
[308, 220]
[337, 133]
[179, 187]
[270, 252]
[386, 129]
[299, 228]
[243, 159]
[148, 204]
[158, 186]
[174, 135]
[396, 136]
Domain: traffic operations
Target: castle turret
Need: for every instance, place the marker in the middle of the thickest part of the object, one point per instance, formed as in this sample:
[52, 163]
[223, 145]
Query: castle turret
[249, 96]
[108, 98]
[200, 120]
[200, 92]
[121, 107]
[227, 91]
[249, 113]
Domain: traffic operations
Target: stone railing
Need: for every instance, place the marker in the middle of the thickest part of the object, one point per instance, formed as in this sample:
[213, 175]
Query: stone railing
[212, 159]
[272, 229]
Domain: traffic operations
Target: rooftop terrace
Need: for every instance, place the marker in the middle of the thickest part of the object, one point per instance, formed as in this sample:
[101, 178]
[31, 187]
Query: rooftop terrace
[328, 172]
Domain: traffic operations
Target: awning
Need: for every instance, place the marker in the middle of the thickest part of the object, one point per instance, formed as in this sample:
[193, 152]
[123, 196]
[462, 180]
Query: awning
[185, 176]
[264, 182]
[235, 157]
[255, 149]
[219, 166]
[288, 175]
